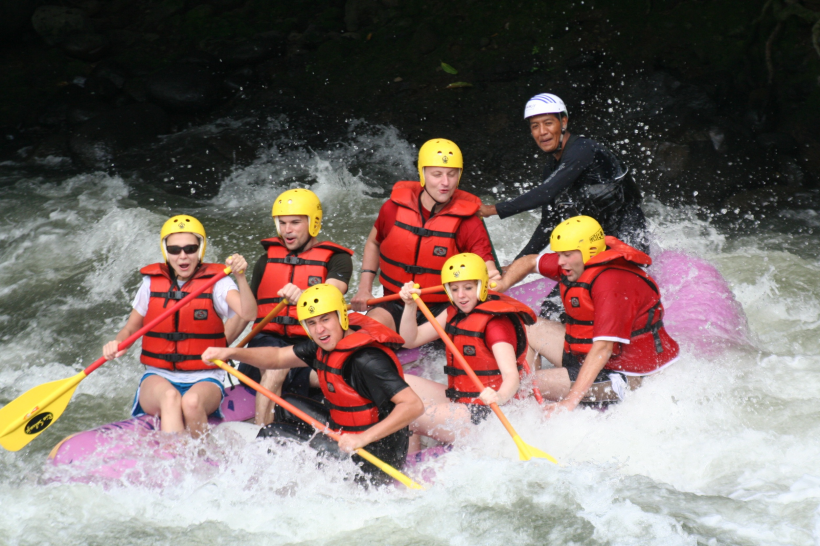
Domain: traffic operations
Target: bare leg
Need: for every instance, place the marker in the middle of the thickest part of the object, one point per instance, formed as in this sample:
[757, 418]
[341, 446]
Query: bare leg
[546, 337]
[380, 315]
[273, 381]
[158, 397]
[442, 420]
[198, 403]
[554, 383]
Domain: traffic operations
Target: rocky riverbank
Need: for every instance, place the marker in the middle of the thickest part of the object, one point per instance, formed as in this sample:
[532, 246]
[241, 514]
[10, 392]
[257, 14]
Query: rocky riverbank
[716, 103]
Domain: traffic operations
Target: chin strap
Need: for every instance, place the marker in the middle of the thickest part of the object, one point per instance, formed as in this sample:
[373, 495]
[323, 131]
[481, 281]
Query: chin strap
[560, 140]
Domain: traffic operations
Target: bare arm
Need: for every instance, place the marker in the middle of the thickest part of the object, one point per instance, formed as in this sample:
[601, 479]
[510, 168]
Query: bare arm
[265, 358]
[342, 286]
[370, 260]
[413, 334]
[408, 407]
[233, 327]
[134, 323]
[519, 269]
[243, 303]
[492, 271]
[504, 354]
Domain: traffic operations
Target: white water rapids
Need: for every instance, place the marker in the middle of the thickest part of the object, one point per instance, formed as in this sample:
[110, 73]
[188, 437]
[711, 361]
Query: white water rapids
[719, 450]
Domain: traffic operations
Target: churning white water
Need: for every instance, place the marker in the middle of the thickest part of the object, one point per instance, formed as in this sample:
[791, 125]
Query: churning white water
[716, 450]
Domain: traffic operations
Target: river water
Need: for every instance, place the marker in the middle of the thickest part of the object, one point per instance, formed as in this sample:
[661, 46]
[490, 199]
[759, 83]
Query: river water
[717, 450]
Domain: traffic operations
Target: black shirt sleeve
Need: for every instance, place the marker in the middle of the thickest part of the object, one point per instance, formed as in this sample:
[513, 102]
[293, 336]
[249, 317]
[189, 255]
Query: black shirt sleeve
[340, 267]
[374, 376]
[258, 271]
[305, 350]
[574, 161]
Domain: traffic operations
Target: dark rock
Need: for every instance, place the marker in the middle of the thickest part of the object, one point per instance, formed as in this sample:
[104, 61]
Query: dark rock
[52, 151]
[14, 16]
[112, 72]
[98, 141]
[85, 110]
[55, 23]
[425, 40]
[240, 79]
[101, 87]
[777, 142]
[359, 13]
[85, 46]
[241, 52]
[185, 88]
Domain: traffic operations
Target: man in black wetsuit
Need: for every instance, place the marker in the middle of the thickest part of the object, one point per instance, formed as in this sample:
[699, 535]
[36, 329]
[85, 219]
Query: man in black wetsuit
[581, 177]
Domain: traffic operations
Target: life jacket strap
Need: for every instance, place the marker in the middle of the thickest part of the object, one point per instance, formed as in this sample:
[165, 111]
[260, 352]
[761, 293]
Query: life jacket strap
[182, 336]
[295, 260]
[412, 269]
[453, 394]
[423, 232]
[171, 357]
[452, 370]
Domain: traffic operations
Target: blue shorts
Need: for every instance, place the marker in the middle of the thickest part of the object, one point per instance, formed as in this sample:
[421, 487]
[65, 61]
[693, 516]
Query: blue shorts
[182, 388]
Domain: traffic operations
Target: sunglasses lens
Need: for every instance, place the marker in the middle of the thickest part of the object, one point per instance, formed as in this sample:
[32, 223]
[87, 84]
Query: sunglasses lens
[188, 249]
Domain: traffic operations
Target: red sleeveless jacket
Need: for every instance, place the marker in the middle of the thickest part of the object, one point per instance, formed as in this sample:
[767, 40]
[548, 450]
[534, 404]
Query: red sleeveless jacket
[415, 250]
[177, 343]
[650, 341]
[304, 270]
[349, 411]
[467, 333]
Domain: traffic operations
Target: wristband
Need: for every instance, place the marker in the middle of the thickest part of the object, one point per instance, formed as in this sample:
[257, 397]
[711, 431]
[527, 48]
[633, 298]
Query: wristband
[370, 271]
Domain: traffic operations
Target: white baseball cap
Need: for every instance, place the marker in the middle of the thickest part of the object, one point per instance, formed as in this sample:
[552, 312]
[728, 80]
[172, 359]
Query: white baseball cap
[545, 103]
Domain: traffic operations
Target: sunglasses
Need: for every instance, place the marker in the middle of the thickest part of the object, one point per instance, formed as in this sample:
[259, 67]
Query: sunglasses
[187, 249]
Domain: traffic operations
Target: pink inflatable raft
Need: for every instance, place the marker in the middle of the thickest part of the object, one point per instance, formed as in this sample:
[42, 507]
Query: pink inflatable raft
[701, 314]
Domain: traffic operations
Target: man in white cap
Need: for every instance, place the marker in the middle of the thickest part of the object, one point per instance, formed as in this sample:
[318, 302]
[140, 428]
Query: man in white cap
[581, 177]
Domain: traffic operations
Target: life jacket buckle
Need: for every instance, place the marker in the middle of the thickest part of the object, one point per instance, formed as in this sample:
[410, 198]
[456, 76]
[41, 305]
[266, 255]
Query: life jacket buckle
[291, 260]
[176, 295]
[175, 336]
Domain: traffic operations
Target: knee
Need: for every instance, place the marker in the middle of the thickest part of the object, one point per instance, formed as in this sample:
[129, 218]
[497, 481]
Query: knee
[191, 403]
[171, 397]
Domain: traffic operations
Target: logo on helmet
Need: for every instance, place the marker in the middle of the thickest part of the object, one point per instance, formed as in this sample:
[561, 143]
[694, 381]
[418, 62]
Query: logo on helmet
[181, 225]
[597, 236]
[456, 273]
[444, 159]
[311, 309]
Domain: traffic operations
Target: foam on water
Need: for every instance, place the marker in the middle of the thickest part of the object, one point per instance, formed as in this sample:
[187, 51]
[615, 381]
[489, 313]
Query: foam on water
[718, 449]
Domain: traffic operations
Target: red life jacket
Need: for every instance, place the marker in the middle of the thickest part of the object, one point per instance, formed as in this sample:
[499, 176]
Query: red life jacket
[415, 250]
[177, 343]
[466, 330]
[349, 411]
[578, 304]
[304, 270]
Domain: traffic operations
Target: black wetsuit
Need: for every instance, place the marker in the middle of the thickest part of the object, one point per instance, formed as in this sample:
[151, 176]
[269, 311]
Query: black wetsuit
[373, 375]
[589, 180]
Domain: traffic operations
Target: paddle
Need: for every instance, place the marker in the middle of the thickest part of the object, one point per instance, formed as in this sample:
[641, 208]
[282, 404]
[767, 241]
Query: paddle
[321, 427]
[28, 415]
[525, 451]
[393, 297]
[264, 322]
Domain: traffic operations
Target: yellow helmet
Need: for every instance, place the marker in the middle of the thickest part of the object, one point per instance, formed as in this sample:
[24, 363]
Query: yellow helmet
[318, 300]
[299, 202]
[183, 223]
[440, 152]
[466, 267]
[579, 233]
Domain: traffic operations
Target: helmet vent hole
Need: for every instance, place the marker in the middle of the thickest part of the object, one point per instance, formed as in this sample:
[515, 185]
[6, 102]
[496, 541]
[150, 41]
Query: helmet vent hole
[316, 300]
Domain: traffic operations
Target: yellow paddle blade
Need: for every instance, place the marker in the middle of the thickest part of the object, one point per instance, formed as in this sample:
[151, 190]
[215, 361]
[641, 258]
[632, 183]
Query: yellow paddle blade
[527, 452]
[389, 470]
[28, 415]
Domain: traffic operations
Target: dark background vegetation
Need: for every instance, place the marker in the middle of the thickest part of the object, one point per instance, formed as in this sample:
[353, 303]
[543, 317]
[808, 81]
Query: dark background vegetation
[711, 101]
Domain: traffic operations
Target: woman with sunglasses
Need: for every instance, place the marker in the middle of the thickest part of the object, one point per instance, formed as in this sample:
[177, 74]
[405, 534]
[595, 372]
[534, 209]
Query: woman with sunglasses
[178, 386]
